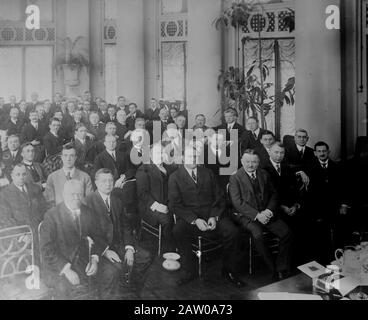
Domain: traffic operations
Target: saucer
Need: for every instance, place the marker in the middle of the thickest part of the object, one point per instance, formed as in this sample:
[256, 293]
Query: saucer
[171, 256]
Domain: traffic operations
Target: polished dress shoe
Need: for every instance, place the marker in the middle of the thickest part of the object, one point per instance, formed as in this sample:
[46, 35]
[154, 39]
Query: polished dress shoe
[186, 278]
[233, 278]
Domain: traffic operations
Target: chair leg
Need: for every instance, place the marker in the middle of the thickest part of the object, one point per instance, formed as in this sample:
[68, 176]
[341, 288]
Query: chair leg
[250, 256]
[159, 240]
[199, 254]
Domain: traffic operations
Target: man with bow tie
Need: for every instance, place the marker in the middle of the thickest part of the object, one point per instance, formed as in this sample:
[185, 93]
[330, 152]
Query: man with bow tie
[35, 171]
[56, 180]
[109, 211]
[72, 249]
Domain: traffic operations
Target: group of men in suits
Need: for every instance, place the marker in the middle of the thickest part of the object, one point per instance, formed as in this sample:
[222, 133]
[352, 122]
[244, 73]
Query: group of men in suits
[227, 180]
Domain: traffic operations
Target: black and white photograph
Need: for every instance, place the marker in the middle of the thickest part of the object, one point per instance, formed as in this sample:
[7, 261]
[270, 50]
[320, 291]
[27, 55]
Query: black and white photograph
[183, 150]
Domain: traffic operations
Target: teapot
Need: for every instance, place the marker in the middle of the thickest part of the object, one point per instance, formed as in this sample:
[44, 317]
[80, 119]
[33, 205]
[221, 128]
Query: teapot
[349, 259]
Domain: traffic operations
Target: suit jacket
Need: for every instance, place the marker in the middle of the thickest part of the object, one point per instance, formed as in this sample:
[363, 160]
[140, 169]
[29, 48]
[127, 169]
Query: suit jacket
[40, 171]
[55, 185]
[29, 132]
[242, 194]
[53, 144]
[113, 227]
[256, 142]
[246, 141]
[190, 201]
[18, 208]
[236, 126]
[293, 158]
[121, 130]
[62, 242]
[152, 115]
[98, 132]
[104, 117]
[86, 153]
[130, 121]
[105, 160]
[263, 155]
[14, 128]
[285, 184]
[151, 186]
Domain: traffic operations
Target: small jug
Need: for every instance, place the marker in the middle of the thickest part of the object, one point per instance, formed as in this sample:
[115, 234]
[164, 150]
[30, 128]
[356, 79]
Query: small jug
[349, 260]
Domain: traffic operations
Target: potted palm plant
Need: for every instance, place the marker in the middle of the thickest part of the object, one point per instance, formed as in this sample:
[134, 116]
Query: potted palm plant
[72, 60]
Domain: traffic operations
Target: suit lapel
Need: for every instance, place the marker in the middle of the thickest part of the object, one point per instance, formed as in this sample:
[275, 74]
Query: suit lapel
[247, 179]
[187, 178]
[261, 181]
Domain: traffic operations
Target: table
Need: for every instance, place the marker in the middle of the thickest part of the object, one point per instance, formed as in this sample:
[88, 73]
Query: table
[299, 283]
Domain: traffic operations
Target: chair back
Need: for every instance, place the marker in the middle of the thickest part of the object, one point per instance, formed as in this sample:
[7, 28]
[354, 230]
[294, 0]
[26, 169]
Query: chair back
[16, 251]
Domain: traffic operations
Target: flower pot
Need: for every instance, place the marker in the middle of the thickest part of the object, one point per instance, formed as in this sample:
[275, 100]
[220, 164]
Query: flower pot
[71, 74]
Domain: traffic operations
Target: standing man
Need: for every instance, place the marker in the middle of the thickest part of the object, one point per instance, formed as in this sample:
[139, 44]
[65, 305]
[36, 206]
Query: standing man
[120, 252]
[200, 123]
[255, 132]
[133, 114]
[199, 205]
[264, 148]
[56, 180]
[52, 141]
[256, 202]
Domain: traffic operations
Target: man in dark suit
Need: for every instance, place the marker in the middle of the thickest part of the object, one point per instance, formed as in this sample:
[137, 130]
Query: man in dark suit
[96, 129]
[35, 171]
[231, 116]
[255, 132]
[52, 140]
[108, 211]
[121, 128]
[112, 159]
[161, 123]
[14, 124]
[264, 148]
[133, 114]
[33, 132]
[87, 97]
[298, 154]
[221, 157]
[21, 204]
[256, 202]
[111, 111]
[199, 204]
[324, 201]
[56, 105]
[102, 112]
[12, 103]
[34, 101]
[11, 156]
[152, 113]
[72, 249]
[152, 191]
[85, 148]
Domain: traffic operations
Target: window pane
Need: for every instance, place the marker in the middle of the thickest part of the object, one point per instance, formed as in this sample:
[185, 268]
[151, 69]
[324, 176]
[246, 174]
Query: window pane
[173, 69]
[39, 71]
[10, 72]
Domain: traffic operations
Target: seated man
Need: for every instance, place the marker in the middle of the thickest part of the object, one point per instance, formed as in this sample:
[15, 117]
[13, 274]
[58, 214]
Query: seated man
[53, 140]
[56, 180]
[14, 124]
[255, 131]
[96, 129]
[35, 171]
[22, 203]
[112, 159]
[152, 113]
[263, 150]
[119, 252]
[152, 190]
[198, 203]
[13, 155]
[85, 148]
[71, 248]
[256, 201]
[133, 114]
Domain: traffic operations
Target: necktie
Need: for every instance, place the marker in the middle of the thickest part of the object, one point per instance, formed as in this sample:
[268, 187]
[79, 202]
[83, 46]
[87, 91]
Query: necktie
[278, 168]
[13, 156]
[324, 165]
[194, 177]
[77, 222]
[253, 176]
[68, 176]
[113, 156]
[107, 205]
[162, 169]
[24, 190]
[34, 173]
[255, 135]
[301, 153]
